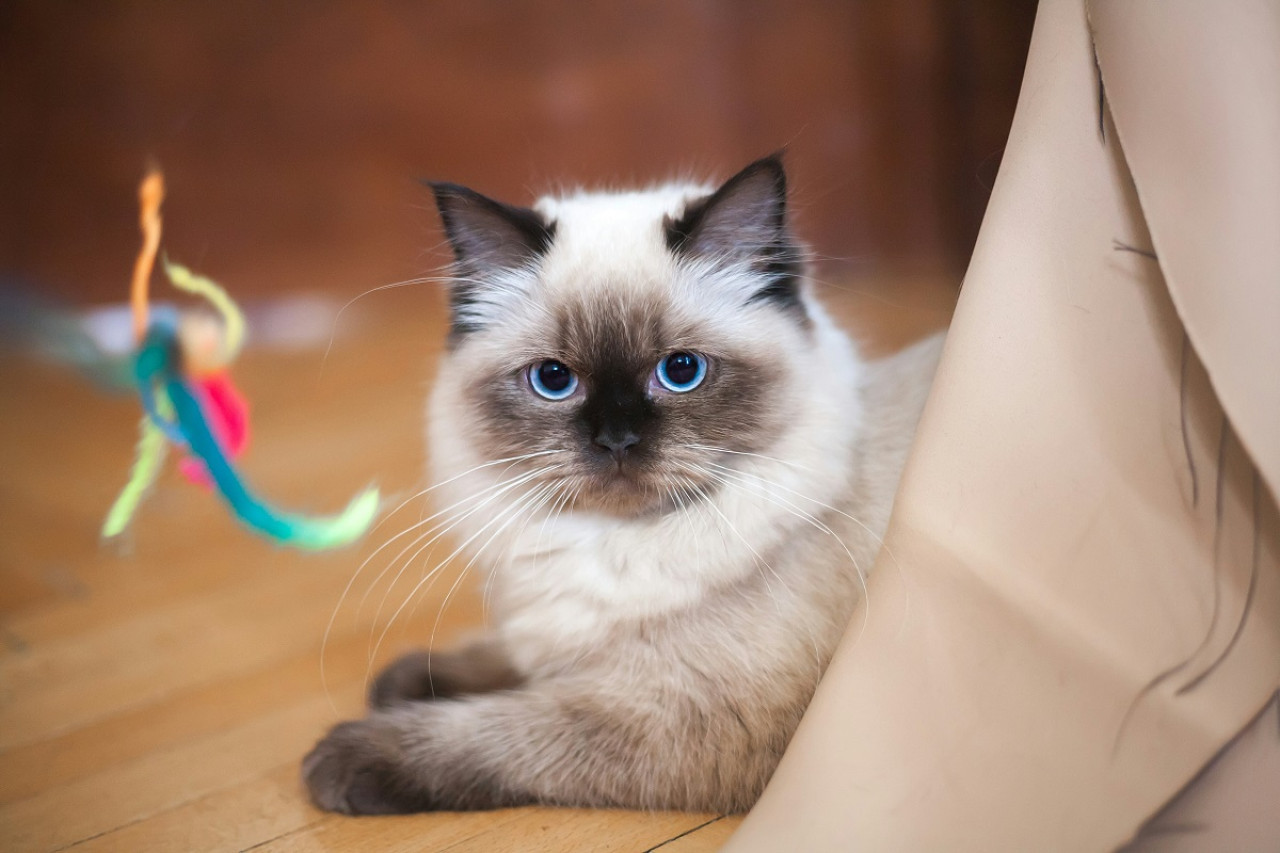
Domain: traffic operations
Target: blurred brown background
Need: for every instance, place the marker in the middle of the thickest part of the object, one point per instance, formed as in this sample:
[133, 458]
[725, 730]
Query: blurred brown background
[292, 133]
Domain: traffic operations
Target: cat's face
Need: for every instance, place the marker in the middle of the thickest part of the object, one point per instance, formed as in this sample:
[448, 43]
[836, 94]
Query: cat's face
[622, 349]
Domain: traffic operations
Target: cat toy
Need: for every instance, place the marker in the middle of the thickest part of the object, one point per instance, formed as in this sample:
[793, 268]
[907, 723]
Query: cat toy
[181, 373]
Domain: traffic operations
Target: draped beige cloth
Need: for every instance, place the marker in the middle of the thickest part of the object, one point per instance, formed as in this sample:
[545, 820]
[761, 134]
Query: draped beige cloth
[1077, 611]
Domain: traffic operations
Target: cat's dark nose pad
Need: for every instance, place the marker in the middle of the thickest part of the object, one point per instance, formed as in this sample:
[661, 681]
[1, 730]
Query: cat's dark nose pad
[617, 443]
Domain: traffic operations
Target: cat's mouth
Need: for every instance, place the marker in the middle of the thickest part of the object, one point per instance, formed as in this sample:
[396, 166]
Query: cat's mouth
[621, 478]
[621, 487]
[630, 490]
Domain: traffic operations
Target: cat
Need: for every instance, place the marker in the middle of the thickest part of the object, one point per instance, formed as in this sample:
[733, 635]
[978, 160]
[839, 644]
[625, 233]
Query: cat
[677, 470]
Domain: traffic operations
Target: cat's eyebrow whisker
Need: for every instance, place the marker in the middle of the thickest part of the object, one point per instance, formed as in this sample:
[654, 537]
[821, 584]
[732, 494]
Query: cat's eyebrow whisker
[408, 282]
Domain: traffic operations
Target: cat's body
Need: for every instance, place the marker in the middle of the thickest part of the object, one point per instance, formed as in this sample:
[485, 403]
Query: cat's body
[676, 543]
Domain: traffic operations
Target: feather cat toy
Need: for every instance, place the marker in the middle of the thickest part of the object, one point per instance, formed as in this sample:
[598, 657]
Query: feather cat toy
[180, 369]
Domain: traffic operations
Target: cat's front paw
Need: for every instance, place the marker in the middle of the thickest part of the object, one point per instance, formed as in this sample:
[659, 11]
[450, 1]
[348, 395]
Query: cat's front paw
[354, 770]
[409, 678]
[420, 676]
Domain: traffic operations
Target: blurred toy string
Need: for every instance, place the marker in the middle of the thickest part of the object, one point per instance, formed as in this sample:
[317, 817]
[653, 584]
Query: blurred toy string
[179, 366]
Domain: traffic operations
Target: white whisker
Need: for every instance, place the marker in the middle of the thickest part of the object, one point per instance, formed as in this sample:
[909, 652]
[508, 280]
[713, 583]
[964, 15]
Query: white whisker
[328, 631]
[525, 502]
[441, 530]
[795, 465]
[763, 487]
[413, 592]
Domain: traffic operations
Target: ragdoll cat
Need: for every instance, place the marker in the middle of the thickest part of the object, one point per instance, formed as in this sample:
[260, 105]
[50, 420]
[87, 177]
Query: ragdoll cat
[676, 469]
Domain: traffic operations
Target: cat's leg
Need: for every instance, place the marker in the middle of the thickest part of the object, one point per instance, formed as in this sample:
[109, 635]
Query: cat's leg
[480, 667]
[546, 745]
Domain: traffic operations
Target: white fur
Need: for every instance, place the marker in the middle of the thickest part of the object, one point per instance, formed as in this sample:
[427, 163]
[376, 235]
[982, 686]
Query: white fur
[563, 581]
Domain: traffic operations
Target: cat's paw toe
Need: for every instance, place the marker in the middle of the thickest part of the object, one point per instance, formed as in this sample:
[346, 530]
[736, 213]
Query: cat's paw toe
[352, 770]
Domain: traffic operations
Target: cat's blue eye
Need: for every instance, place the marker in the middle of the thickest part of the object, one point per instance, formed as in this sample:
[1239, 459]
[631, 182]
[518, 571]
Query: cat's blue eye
[681, 371]
[552, 379]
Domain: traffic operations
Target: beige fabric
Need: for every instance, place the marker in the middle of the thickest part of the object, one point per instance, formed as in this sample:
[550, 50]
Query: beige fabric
[1079, 600]
[1230, 805]
[1195, 90]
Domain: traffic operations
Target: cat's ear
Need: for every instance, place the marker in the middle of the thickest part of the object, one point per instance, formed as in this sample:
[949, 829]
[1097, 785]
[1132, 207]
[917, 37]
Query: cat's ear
[489, 236]
[745, 220]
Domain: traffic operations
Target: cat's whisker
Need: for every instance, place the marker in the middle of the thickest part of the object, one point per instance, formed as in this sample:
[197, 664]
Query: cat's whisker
[817, 656]
[452, 514]
[449, 525]
[763, 488]
[754, 553]
[503, 511]
[424, 520]
[870, 532]
[408, 282]
[761, 456]
[346, 590]
[554, 494]
[859, 572]
[529, 504]
[681, 493]
[524, 502]
[429, 576]
[508, 460]
[561, 501]
[862, 574]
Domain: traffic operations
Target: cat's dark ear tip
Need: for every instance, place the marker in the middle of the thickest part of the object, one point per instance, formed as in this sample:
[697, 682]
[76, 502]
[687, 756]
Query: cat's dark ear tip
[776, 158]
[772, 164]
[446, 190]
[453, 199]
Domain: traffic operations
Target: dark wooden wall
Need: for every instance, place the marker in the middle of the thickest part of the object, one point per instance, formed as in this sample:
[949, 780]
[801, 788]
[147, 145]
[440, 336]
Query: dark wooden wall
[291, 133]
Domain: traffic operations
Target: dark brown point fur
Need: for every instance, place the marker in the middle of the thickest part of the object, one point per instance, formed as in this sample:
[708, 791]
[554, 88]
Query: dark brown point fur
[614, 349]
[487, 237]
[747, 214]
[420, 676]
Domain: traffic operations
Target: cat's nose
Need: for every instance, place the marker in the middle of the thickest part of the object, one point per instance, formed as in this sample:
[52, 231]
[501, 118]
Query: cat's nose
[617, 442]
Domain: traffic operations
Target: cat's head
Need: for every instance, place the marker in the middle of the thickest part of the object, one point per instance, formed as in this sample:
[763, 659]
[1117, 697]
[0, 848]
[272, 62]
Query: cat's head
[620, 350]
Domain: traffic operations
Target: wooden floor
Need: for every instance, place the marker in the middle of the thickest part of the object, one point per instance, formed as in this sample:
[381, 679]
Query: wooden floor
[160, 697]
